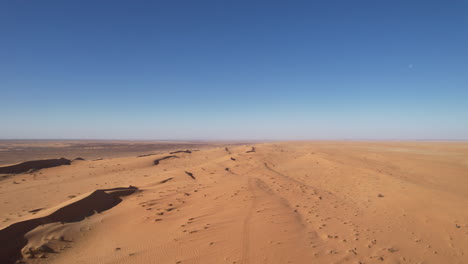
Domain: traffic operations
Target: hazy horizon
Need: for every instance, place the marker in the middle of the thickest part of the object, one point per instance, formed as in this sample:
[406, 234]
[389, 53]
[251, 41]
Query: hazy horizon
[240, 140]
[244, 70]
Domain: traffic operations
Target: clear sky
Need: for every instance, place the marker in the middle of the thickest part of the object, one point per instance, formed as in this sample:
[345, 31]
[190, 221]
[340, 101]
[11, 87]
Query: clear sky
[234, 69]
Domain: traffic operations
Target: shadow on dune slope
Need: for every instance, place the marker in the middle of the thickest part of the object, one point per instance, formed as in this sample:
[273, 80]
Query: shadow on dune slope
[12, 238]
[34, 165]
[156, 161]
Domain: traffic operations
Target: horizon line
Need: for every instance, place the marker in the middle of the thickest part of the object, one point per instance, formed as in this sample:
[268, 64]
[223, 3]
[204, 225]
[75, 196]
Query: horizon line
[235, 140]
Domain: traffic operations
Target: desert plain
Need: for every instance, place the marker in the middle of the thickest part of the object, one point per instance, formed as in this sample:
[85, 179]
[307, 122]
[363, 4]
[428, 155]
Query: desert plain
[274, 202]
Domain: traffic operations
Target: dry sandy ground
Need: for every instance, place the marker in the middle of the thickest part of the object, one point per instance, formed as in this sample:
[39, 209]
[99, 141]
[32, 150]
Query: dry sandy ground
[300, 202]
[13, 151]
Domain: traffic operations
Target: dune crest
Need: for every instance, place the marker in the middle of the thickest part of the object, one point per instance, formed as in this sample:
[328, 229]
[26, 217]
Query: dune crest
[156, 161]
[275, 203]
[34, 165]
[12, 237]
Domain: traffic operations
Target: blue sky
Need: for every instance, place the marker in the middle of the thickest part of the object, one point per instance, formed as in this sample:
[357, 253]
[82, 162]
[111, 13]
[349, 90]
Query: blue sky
[234, 69]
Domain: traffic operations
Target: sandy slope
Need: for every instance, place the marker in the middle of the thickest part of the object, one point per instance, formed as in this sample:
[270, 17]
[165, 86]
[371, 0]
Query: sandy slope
[301, 202]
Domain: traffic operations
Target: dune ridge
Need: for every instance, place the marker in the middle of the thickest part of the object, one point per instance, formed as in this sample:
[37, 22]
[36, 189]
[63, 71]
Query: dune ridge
[180, 151]
[286, 202]
[156, 161]
[12, 237]
[34, 165]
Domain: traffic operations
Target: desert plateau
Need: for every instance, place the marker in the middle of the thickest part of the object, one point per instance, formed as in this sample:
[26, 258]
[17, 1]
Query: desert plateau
[274, 202]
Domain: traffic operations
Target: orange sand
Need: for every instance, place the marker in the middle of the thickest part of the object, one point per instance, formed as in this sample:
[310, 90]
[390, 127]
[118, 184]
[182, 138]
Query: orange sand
[296, 202]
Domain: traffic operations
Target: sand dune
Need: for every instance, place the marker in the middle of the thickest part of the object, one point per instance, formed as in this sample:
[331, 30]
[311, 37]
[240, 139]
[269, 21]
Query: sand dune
[180, 151]
[15, 151]
[12, 238]
[156, 161]
[34, 165]
[301, 202]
